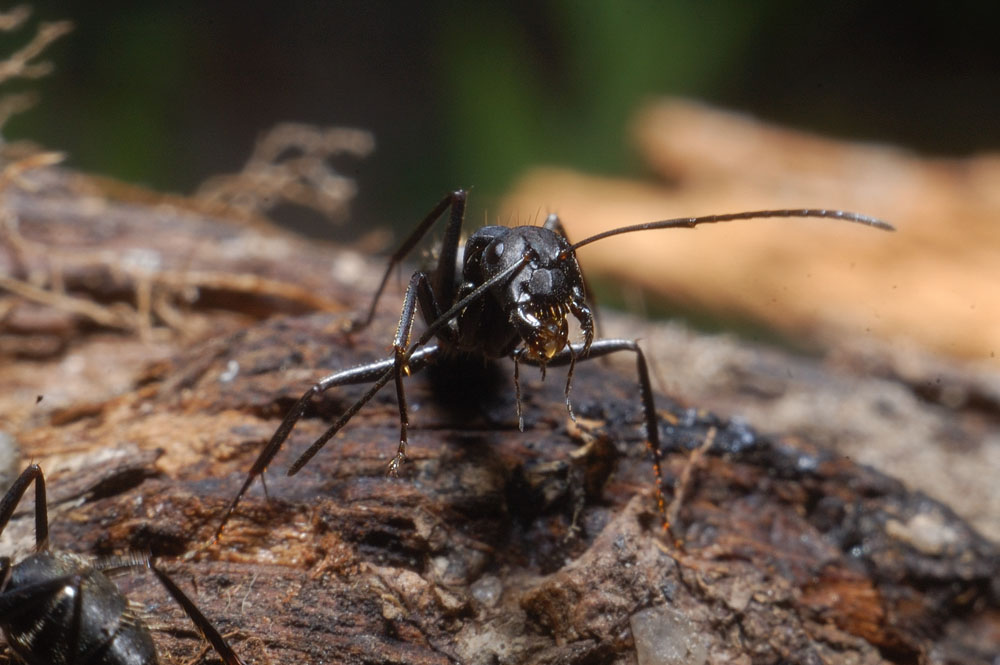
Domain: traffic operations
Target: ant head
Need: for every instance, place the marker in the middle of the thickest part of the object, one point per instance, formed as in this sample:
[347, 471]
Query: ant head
[540, 296]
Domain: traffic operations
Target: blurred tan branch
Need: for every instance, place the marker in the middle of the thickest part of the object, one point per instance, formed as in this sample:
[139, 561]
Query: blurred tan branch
[290, 164]
[19, 64]
[932, 284]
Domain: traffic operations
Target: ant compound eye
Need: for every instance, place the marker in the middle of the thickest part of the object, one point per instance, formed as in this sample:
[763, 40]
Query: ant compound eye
[495, 252]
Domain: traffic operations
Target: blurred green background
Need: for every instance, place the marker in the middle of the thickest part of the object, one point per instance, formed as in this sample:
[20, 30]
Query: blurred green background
[166, 94]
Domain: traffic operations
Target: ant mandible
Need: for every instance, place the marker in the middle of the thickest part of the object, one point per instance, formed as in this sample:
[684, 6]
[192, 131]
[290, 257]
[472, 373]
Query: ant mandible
[58, 608]
[510, 297]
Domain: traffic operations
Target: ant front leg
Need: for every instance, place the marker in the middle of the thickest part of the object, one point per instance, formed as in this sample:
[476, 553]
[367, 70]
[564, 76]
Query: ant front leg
[439, 325]
[13, 497]
[444, 275]
[379, 372]
[418, 292]
[412, 358]
[602, 347]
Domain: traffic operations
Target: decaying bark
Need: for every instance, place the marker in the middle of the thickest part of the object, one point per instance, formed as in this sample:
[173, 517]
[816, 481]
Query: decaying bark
[494, 546]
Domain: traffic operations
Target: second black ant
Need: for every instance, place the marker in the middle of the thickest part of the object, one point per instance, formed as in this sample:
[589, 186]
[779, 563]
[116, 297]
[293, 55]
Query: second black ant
[511, 295]
[59, 608]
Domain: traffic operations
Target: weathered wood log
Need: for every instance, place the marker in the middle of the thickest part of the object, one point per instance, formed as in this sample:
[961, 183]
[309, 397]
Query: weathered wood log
[494, 546]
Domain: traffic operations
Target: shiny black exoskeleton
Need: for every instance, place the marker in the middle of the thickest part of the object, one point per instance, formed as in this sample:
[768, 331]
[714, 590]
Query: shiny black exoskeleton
[530, 307]
[509, 292]
[58, 608]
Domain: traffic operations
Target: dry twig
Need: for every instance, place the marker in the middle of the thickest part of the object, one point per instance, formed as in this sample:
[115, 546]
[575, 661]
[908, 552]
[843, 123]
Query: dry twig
[290, 164]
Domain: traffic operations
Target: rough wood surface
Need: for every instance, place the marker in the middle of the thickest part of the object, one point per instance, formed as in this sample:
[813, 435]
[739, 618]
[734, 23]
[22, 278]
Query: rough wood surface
[792, 553]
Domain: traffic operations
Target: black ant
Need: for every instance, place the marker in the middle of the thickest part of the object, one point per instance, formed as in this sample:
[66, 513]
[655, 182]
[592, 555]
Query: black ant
[511, 296]
[58, 608]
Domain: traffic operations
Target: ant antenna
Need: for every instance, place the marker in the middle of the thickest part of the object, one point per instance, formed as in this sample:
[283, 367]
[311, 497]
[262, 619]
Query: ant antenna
[691, 222]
